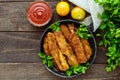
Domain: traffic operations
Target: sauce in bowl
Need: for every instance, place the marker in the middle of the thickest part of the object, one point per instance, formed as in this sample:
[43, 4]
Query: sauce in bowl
[39, 13]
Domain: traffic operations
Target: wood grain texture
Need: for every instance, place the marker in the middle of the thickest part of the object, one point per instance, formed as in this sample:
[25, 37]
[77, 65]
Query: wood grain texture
[13, 17]
[37, 71]
[19, 46]
[16, 0]
[24, 46]
[26, 0]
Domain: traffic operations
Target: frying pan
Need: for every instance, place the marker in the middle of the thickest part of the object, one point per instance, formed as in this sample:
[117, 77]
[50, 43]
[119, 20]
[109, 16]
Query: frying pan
[91, 41]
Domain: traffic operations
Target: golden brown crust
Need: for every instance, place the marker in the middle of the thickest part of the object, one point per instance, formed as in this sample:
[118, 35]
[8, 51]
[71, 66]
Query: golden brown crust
[63, 61]
[71, 28]
[64, 47]
[53, 49]
[46, 47]
[76, 44]
[65, 31]
[57, 55]
[87, 48]
[79, 50]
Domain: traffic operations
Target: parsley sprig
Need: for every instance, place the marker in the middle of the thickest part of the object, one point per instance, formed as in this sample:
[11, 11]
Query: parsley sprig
[110, 31]
[48, 60]
[55, 27]
[77, 69]
[83, 32]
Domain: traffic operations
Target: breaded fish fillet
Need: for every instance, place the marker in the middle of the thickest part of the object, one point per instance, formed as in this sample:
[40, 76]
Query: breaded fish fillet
[46, 47]
[66, 32]
[77, 45]
[63, 61]
[54, 49]
[64, 47]
[71, 28]
[87, 48]
[56, 53]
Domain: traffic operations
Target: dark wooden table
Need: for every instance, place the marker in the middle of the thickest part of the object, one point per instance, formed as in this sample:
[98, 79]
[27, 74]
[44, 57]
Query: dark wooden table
[19, 45]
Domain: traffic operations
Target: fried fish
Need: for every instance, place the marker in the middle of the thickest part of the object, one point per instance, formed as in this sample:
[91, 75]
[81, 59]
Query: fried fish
[46, 47]
[79, 50]
[64, 47]
[57, 55]
[87, 48]
[66, 32]
[77, 45]
[54, 49]
[63, 61]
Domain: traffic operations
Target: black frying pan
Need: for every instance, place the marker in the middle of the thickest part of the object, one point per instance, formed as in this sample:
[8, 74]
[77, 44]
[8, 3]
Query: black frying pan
[91, 41]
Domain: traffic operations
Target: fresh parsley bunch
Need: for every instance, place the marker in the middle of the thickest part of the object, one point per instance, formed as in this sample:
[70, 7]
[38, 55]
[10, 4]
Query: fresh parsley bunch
[110, 31]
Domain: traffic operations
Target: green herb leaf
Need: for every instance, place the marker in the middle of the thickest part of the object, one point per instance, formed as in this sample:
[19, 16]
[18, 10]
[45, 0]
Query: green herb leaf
[55, 27]
[108, 69]
[99, 16]
[87, 64]
[50, 64]
[42, 55]
[83, 69]
[69, 72]
[115, 2]
[44, 61]
[98, 34]
[83, 32]
[115, 11]
[48, 60]
[101, 43]
[102, 26]
[117, 34]
[77, 69]
[111, 24]
[105, 17]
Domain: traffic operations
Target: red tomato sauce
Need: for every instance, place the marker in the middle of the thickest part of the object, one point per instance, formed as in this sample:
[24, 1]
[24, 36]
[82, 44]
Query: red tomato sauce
[39, 12]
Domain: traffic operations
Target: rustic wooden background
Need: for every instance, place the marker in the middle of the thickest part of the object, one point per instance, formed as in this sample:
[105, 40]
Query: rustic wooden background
[19, 45]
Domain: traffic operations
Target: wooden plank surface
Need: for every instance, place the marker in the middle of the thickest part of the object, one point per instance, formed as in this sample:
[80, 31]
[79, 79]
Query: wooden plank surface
[37, 71]
[24, 46]
[19, 45]
[14, 18]
[26, 0]
[17, 0]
